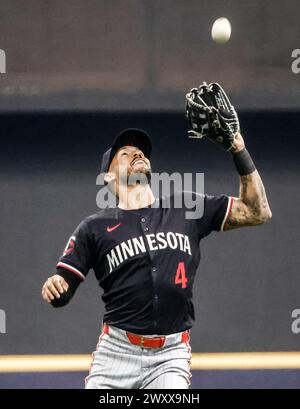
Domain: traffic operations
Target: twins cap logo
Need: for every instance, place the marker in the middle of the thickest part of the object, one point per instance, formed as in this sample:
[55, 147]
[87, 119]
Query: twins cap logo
[110, 229]
[70, 246]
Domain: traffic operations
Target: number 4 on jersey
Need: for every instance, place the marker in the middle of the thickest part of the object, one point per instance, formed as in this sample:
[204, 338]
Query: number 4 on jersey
[180, 277]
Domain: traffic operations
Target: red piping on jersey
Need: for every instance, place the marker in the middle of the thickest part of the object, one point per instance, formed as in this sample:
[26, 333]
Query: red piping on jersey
[72, 269]
[230, 208]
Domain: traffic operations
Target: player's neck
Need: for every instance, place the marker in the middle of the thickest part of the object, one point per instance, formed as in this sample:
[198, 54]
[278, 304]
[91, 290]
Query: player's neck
[135, 197]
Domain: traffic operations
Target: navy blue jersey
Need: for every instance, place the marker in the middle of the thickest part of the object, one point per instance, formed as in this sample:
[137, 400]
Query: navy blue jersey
[145, 261]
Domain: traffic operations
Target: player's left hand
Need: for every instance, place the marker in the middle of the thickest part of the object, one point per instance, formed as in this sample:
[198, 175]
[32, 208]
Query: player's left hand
[210, 114]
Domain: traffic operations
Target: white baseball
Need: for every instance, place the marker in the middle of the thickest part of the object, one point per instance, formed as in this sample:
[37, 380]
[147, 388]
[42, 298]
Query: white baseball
[221, 30]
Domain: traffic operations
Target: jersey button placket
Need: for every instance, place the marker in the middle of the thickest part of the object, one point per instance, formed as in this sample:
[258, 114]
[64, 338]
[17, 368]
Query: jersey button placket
[146, 229]
[143, 221]
[155, 296]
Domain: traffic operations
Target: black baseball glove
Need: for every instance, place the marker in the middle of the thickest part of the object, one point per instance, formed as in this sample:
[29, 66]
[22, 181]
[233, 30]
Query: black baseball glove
[210, 114]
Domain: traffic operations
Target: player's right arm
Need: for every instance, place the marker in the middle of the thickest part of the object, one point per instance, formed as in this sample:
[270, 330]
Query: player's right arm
[60, 288]
[72, 268]
[54, 287]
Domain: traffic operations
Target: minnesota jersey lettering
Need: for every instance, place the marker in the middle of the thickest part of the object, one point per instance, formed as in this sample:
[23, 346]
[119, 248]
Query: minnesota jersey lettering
[137, 245]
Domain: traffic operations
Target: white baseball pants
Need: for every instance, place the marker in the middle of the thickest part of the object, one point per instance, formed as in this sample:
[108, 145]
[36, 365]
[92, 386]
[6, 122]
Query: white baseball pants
[118, 364]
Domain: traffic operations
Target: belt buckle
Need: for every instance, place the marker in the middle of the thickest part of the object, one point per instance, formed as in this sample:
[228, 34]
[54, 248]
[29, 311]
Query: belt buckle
[142, 341]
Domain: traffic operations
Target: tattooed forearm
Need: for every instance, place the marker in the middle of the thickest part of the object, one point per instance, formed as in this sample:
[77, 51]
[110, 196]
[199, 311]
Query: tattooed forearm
[251, 208]
[252, 193]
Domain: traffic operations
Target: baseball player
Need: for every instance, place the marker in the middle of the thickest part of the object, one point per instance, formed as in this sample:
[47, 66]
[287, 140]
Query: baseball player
[145, 257]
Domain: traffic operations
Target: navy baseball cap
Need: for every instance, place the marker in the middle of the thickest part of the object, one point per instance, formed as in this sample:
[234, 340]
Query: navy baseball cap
[131, 136]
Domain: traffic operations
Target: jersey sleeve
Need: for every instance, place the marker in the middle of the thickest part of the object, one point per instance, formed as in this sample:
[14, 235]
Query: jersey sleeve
[78, 254]
[216, 211]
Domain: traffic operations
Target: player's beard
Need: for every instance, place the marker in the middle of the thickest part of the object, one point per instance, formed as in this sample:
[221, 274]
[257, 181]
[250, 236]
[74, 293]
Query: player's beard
[130, 178]
[143, 178]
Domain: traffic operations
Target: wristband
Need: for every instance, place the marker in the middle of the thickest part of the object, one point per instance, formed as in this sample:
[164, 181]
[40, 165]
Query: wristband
[243, 162]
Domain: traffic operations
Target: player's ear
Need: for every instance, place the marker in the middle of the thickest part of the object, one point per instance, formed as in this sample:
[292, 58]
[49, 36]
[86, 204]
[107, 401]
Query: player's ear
[109, 177]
